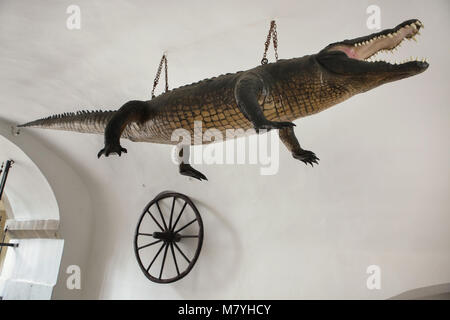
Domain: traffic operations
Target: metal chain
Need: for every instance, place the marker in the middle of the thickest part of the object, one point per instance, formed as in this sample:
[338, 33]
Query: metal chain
[158, 75]
[272, 33]
[165, 73]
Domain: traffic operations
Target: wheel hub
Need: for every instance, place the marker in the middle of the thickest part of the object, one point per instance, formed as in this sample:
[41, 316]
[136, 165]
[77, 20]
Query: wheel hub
[167, 236]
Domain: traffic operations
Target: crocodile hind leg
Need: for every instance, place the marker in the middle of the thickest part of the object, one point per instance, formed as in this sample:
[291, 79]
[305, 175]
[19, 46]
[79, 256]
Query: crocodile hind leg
[247, 90]
[132, 111]
[185, 168]
[289, 139]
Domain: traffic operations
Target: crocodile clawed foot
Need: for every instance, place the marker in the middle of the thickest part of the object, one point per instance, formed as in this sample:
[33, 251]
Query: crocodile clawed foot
[111, 149]
[187, 170]
[306, 156]
[268, 125]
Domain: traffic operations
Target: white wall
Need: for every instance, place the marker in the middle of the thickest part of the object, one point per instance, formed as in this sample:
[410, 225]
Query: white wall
[379, 195]
[31, 270]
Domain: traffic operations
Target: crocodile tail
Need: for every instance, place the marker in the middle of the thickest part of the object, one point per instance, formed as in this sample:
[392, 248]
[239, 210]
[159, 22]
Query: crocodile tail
[80, 121]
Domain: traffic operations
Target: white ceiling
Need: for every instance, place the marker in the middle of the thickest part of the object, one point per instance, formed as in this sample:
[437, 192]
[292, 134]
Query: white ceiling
[379, 195]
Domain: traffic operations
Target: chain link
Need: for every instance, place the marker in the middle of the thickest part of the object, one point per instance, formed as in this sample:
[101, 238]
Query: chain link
[272, 33]
[158, 75]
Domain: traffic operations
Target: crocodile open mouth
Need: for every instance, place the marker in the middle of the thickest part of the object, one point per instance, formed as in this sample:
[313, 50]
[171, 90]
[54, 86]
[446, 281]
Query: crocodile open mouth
[366, 48]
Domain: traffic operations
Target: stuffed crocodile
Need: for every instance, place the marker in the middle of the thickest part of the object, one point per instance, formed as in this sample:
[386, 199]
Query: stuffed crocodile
[269, 96]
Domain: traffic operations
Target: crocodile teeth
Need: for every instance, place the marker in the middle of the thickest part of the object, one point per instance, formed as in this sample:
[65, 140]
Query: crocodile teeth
[384, 43]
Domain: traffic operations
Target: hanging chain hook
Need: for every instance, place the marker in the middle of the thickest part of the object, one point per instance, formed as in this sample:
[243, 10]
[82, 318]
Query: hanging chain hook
[272, 33]
[158, 74]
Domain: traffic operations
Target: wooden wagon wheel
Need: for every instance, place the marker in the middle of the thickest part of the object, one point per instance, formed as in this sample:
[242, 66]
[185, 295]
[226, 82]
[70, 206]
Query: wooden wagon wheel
[169, 230]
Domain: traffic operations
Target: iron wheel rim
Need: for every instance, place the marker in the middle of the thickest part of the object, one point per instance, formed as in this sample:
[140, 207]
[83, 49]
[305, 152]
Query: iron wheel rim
[168, 245]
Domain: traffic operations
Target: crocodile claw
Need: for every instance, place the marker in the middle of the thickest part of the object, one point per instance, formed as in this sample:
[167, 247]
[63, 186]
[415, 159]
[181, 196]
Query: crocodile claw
[308, 157]
[107, 150]
[187, 170]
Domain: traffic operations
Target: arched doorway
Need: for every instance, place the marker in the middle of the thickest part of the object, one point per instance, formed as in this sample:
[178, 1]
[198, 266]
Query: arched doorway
[30, 220]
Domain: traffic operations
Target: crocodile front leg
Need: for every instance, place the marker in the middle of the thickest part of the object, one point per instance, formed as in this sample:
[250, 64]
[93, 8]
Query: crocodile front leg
[132, 111]
[287, 136]
[247, 90]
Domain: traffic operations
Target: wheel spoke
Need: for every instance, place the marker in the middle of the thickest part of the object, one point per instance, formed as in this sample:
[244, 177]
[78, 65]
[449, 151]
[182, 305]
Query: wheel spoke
[179, 216]
[171, 213]
[174, 258]
[157, 254]
[150, 244]
[156, 221]
[186, 225]
[179, 250]
[188, 236]
[145, 234]
[164, 261]
[162, 217]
